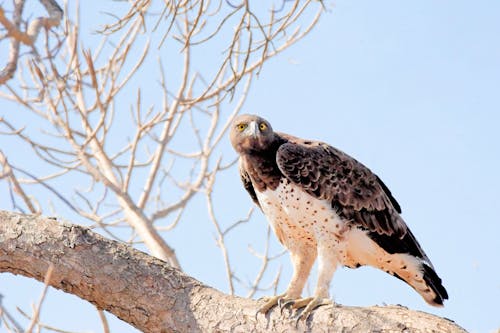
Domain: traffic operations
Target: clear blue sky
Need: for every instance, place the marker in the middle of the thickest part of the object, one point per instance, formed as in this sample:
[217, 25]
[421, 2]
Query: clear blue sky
[411, 89]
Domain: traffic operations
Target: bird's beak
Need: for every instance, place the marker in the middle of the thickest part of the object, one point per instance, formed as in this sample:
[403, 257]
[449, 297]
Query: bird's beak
[253, 130]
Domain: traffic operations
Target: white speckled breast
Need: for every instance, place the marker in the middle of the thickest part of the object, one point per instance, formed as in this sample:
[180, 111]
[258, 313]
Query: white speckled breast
[298, 218]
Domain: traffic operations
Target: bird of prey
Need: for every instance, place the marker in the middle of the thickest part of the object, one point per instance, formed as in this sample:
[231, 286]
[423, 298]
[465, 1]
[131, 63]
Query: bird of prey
[324, 204]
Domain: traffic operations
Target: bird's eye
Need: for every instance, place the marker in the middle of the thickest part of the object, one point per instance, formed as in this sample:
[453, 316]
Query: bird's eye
[262, 126]
[241, 127]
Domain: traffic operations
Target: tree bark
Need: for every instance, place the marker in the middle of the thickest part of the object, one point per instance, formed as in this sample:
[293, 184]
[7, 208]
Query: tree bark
[154, 297]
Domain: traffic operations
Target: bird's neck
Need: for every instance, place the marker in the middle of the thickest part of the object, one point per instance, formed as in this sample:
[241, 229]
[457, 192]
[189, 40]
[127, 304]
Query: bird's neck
[262, 167]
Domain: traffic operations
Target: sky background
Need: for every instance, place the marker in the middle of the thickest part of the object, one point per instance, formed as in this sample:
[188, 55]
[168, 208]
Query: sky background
[410, 89]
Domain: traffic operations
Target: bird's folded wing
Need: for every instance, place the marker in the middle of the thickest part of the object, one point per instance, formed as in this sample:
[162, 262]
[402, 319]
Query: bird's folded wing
[355, 192]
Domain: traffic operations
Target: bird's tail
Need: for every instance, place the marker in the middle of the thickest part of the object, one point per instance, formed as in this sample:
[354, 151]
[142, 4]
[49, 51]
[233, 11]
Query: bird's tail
[417, 271]
[434, 283]
[422, 277]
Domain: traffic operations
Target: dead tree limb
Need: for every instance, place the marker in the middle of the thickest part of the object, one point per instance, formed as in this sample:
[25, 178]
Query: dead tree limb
[154, 297]
[29, 37]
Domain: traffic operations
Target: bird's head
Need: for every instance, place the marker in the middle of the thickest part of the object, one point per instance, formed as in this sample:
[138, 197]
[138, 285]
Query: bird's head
[251, 133]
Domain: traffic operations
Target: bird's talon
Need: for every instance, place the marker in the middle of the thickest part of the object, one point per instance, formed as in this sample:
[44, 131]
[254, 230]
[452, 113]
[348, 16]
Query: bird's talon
[300, 317]
[309, 304]
[287, 305]
[269, 303]
[297, 320]
[280, 302]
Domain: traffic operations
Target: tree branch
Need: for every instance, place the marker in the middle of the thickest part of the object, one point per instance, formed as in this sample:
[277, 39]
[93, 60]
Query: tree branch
[154, 297]
[29, 37]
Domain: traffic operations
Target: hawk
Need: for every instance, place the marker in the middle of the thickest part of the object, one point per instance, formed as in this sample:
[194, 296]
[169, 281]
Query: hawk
[323, 204]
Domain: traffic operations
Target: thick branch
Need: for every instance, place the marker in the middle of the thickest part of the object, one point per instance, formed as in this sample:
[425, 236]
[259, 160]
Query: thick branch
[154, 297]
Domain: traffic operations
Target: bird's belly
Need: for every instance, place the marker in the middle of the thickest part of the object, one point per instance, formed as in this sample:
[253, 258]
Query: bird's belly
[299, 218]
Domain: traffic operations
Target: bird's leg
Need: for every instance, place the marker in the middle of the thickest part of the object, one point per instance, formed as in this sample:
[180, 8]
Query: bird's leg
[302, 263]
[327, 264]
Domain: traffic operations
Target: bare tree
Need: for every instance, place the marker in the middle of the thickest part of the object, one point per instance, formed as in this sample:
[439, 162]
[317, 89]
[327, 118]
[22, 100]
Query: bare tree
[76, 87]
[74, 94]
[104, 153]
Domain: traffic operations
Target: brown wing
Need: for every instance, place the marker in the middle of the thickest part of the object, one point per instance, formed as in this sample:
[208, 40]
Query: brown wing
[328, 173]
[247, 183]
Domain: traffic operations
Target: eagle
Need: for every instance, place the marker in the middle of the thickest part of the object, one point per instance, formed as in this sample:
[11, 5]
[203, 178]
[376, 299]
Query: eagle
[323, 204]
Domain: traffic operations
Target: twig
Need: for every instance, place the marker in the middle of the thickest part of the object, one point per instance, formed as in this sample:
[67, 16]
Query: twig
[7, 318]
[36, 314]
[7, 172]
[30, 36]
[104, 321]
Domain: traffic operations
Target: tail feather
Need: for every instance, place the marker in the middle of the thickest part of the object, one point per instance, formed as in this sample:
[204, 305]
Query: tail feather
[410, 264]
[434, 282]
[421, 277]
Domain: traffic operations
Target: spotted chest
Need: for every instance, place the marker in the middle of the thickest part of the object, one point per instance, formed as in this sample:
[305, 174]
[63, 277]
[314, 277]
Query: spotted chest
[299, 219]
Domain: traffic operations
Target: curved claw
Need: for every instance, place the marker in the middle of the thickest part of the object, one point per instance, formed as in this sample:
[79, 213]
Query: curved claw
[286, 304]
[256, 314]
[299, 318]
[303, 315]
[280, 302]
[270, 302]
[310, 304]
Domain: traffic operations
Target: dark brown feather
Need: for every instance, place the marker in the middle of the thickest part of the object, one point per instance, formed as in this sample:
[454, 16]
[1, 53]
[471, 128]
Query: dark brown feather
[259, 171]
[247, 183]
[406, 244]
[355, 192]
[327, 173]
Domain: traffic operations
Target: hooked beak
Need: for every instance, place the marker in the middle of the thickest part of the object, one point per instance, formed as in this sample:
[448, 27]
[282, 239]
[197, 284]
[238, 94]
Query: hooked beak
[253, 130]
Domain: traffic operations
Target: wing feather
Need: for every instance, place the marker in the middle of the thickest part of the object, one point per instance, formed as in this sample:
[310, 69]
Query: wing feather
[247, 183]
[327, 173]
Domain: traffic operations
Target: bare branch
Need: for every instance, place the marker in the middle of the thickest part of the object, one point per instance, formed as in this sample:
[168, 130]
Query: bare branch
[104, 321]
[220, 235]
[7, 173]
[30, 36]
[36, 314]
[154, 297]
[138, 170]
[7, 319]
[8, 72]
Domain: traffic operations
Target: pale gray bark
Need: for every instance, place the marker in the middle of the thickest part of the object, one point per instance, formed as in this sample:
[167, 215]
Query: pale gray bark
[154, 297]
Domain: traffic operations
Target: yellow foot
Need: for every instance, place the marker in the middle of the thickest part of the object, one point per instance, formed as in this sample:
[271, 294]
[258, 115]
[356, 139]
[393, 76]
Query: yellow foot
[272, 301]
[309, 304]
[269, 302]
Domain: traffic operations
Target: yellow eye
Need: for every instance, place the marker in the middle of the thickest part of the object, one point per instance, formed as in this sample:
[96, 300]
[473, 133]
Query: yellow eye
[241, 127]
[262, 126]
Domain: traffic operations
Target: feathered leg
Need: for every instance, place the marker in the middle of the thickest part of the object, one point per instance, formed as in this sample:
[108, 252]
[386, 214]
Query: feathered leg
[302, 260]
[327, 264]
